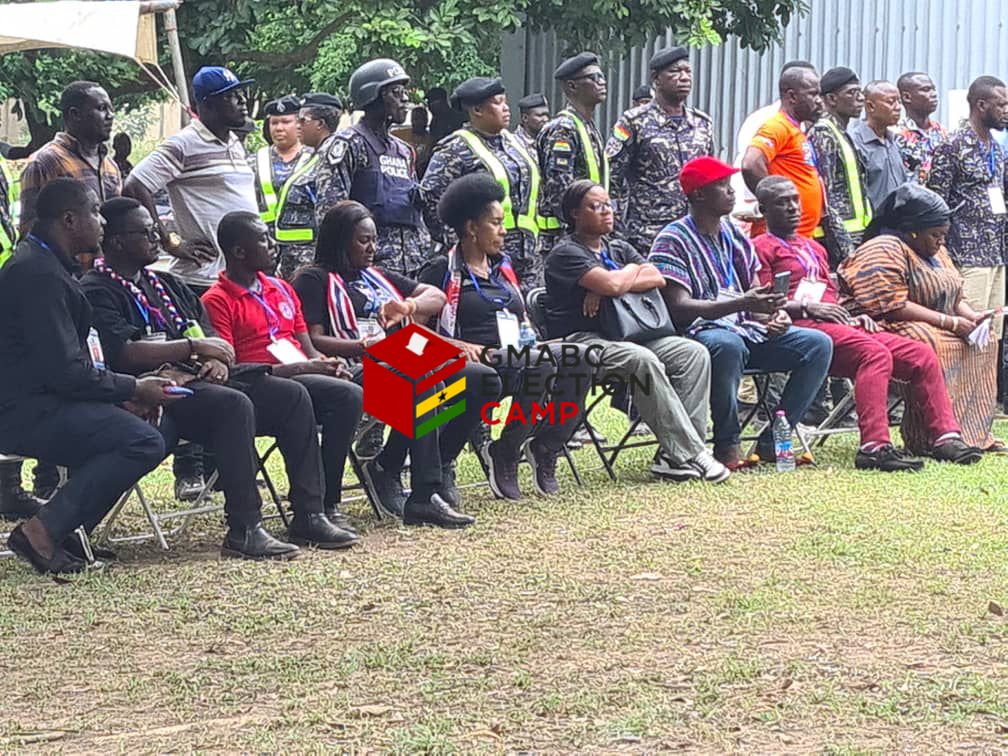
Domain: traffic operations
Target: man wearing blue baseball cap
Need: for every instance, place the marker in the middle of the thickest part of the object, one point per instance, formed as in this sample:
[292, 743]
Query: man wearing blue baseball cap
[205, 169]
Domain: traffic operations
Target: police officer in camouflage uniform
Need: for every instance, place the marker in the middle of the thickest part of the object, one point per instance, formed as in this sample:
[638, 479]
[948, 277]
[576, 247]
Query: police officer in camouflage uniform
[368, 164]
[649, 146]
[570, 145]
[486, 145]
[534, 113]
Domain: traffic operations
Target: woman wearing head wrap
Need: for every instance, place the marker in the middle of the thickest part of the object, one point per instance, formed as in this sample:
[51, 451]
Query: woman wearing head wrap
[903, 277]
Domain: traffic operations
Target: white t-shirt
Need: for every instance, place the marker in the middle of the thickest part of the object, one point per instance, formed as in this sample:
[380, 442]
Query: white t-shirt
[205, 179]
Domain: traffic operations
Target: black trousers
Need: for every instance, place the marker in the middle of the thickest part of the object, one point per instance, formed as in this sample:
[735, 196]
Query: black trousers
[226, 421]
[106, 449]
[338, 406]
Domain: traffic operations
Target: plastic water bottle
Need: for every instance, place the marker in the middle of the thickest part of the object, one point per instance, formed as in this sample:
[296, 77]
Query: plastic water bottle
[526, 336]
[782, 443]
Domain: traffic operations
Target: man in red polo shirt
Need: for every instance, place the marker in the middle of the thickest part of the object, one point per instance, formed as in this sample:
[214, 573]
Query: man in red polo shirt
[861, 350]
[261, 317]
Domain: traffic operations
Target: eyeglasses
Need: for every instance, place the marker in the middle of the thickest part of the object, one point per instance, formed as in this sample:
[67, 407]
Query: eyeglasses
[598, 207]
[598, 77]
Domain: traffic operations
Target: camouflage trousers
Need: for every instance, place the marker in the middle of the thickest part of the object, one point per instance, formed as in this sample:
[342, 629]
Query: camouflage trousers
[292, 257]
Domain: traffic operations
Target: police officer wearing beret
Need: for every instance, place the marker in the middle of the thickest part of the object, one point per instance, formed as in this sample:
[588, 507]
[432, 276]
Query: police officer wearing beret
[533, 114]
[369, 164]
[486, 145]
[570, 146]
[649, 146]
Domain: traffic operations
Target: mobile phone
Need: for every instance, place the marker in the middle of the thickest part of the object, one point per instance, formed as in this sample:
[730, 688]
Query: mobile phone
[781, 282]
[177, 391]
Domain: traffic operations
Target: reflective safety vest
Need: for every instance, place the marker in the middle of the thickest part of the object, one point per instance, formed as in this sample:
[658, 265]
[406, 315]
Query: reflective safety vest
[299, 234]
[529, 220]
[264, 167]
[13, 202]
[597, 172]
[860, 206]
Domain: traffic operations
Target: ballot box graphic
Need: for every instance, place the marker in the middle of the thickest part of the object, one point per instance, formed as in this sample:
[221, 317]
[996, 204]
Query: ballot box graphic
[413, 382]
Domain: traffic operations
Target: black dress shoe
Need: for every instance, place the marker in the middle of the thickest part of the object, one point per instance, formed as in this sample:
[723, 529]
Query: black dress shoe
[339, 519]
[887, 458]
[61, 562]
[315, 530]
[18, 504]
[256, 543]
[72, 546]
[433, 510]
[958, 452]
[449, 490]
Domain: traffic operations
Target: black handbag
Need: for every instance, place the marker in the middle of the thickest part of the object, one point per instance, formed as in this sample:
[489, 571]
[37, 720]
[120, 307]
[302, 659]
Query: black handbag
[637, 316]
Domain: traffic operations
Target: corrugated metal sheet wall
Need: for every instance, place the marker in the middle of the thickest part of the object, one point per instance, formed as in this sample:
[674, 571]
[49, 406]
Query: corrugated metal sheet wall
[953, 40]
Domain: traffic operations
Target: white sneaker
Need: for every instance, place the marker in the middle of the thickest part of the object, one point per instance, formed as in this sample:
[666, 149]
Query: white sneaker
[709, 468]
[665, 468]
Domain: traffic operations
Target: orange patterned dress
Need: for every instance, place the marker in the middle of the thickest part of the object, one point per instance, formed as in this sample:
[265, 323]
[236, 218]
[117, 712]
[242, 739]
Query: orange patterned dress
[880, 278]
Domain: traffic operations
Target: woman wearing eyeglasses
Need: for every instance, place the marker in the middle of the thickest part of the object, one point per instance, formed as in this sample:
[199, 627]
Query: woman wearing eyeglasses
[484, 313]
[586, 267]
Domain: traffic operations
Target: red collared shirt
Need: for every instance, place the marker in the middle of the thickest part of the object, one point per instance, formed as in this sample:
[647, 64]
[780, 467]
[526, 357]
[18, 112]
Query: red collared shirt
[250, 321]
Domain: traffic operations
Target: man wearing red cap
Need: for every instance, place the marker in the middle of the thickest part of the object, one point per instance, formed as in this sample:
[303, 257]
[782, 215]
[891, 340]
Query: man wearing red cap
[716, 298]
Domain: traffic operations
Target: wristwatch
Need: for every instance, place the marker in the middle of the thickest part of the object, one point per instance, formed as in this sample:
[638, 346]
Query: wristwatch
[174, 240]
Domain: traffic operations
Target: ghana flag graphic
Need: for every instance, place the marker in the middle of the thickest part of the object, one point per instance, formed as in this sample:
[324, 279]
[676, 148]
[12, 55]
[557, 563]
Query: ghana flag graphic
[412, 381]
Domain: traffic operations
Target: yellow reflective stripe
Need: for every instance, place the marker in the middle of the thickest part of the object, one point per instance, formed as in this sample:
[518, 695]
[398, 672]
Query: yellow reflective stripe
[264, 167]
[596, 172]
[526, 220]
[13, 202]
[441, 397]
[301, 234]
[862, 210]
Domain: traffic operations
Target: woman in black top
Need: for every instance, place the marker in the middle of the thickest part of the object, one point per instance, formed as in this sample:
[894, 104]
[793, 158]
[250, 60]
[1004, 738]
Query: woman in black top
[348, 304]
[485, 307]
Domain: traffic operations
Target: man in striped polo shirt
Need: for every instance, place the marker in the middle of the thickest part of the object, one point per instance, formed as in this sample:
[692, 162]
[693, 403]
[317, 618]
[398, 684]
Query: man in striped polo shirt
[715, 297]
[205, 169]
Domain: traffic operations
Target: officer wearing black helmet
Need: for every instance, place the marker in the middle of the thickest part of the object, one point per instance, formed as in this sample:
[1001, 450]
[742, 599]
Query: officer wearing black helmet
[570, 145]
[485, 145]
[368, 164]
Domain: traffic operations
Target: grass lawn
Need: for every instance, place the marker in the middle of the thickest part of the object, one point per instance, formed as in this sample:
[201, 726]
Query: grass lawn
[825, 610]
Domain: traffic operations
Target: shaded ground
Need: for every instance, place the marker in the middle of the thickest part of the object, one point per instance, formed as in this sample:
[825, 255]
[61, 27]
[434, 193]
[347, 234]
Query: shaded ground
[825, 610]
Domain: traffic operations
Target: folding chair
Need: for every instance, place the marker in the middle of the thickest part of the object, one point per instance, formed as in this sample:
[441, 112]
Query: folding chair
[81, 534]
[830, 426]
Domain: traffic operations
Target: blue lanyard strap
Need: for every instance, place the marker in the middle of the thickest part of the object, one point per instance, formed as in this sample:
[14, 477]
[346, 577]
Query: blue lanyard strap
[992, 158]
[725, 262]
[805, 256]
[499, 301]
[608, 261]
[272, 319]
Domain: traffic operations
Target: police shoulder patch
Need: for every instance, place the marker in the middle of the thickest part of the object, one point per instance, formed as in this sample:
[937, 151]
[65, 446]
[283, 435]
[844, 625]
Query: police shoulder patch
[337, 151]
[621, 132]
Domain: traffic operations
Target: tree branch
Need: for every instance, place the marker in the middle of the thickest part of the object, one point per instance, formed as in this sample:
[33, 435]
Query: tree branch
[300, 55]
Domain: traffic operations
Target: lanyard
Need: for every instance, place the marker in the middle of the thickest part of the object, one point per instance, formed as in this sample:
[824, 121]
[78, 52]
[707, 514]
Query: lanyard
[40, 242]
[374, 297]
[992, 159]
[141, 300]
[272, 319]
[499, 301]
[805, 256]
[726, 267]
[608, 261]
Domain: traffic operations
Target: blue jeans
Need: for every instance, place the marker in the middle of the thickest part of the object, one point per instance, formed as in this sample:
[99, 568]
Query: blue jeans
[802, 352]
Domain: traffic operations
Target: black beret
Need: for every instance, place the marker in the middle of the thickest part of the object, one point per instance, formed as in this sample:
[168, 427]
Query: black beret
[283, 106]
[567, 70]
[667, 57]
[472, 92]
[643, 92]
[537, 100]
[835, 78]
[322, 100]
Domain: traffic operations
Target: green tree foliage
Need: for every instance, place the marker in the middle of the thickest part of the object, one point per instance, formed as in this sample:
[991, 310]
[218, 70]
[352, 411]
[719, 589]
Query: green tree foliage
[300, 45]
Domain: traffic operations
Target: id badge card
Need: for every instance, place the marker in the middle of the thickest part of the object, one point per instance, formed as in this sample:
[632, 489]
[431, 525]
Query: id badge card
[95, 349]
[811, 290]
[997, 200]
[368, 328]
[507, 328]
[286, 352]
[156, 336]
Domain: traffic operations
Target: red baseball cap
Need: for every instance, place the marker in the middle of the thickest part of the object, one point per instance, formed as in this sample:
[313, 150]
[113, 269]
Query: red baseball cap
[699, 172]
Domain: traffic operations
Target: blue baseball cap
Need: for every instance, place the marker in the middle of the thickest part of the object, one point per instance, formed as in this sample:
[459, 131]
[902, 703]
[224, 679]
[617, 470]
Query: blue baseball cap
[211, 81]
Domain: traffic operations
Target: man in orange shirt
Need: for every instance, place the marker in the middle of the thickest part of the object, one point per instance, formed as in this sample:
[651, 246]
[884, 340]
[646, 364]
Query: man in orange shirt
[781, 148]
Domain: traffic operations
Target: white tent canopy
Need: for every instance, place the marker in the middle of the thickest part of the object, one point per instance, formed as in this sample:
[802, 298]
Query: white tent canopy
[119, 28]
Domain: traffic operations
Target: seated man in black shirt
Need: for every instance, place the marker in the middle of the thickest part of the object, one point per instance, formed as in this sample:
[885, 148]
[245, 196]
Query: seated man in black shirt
[147, 320]
[57, 400]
